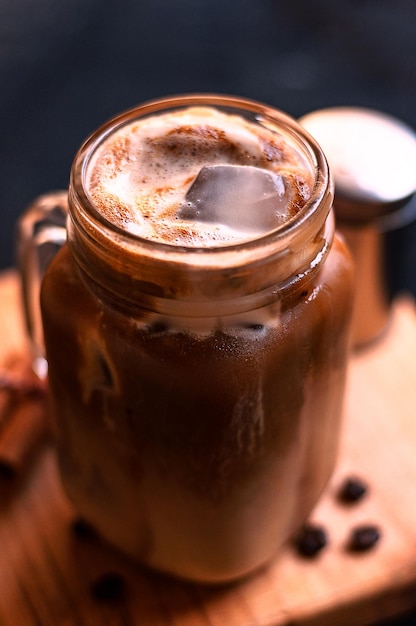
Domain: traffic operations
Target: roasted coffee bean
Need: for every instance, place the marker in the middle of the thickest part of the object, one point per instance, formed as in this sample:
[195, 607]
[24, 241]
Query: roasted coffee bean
[109, 587]
[352, 490]
[158, 327]
[311, 540]
[363, 537]
[7, 471]
[82, 529]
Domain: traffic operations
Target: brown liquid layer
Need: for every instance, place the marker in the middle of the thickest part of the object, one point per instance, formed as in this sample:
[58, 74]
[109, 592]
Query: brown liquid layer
[197, 453]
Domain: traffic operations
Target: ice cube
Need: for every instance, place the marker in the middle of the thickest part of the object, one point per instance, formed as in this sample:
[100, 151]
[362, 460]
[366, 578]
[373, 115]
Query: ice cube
[241, 197]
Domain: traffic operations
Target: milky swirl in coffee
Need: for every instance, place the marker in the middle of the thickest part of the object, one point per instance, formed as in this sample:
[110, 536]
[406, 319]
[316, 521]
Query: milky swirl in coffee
[139, 177]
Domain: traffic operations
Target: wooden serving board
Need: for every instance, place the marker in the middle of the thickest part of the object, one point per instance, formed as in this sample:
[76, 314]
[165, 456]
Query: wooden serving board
[48, 572]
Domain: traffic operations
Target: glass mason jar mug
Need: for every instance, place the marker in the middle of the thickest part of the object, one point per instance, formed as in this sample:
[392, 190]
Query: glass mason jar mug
[197, 365]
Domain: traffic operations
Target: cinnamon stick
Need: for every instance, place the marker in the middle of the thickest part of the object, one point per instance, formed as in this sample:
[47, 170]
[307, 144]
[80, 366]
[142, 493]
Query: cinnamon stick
[26, 428]
[23, 415]
[7, 392]
[7, 399]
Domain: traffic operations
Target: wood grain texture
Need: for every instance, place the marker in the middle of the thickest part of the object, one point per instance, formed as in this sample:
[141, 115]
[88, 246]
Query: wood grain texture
[47, 571]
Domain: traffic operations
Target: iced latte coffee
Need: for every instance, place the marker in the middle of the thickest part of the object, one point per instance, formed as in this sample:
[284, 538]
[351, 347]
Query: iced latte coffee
[196, 329]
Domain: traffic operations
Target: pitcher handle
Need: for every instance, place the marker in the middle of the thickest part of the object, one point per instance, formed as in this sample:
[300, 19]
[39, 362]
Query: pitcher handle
[41, 232]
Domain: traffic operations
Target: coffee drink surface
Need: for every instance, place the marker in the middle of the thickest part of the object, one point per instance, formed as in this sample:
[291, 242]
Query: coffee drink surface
[144, 178]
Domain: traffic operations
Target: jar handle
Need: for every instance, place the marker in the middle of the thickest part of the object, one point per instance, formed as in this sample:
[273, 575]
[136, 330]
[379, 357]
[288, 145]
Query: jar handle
[41, 232]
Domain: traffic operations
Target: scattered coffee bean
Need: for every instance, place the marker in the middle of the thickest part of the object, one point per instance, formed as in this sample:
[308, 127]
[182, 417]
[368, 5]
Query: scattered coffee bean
[311, 540]
[109, 587]
[158, 327]
[7, 471]
[82, 529]
[352, 490]
[363, 538]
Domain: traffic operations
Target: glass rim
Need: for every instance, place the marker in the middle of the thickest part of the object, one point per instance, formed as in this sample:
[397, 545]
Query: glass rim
[319, 202]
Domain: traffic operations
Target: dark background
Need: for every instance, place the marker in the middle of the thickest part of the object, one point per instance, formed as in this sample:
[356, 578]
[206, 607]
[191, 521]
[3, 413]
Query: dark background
[68, 65]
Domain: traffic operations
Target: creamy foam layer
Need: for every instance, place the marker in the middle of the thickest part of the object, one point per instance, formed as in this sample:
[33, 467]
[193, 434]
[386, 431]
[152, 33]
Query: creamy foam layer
[139, 176]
